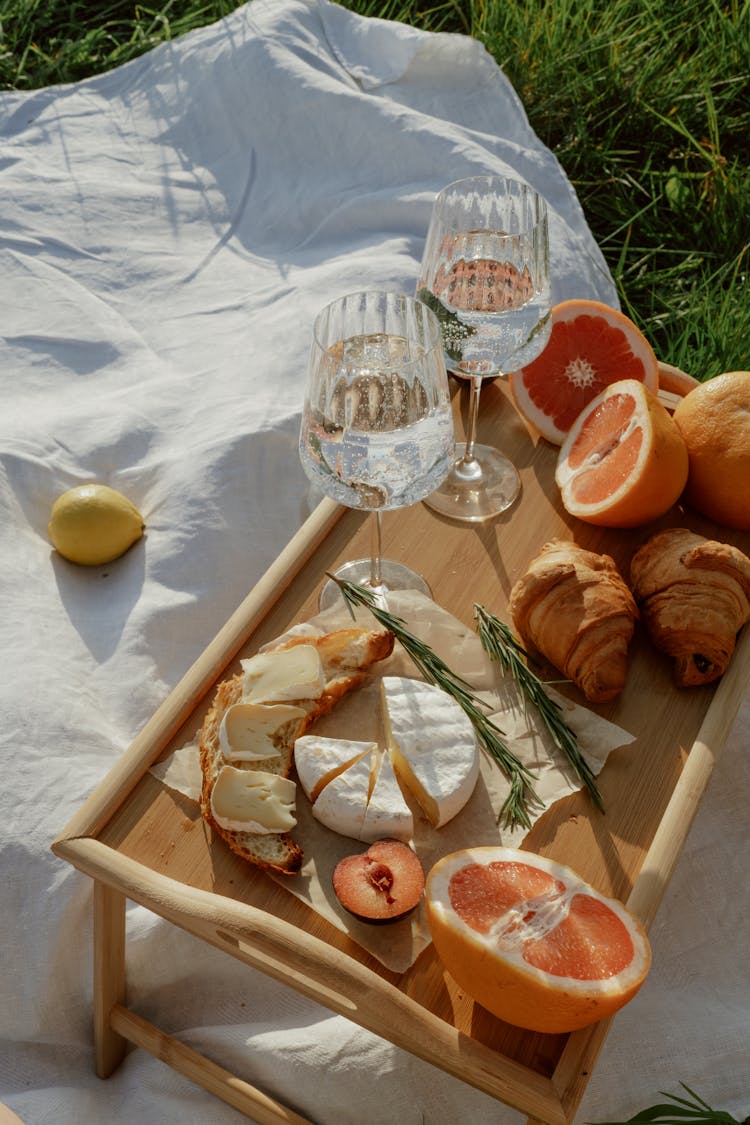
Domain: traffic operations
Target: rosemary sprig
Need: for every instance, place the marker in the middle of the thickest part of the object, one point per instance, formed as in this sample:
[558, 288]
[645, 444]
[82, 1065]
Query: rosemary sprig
[682, 1111]
[522, 795]
[500, 645]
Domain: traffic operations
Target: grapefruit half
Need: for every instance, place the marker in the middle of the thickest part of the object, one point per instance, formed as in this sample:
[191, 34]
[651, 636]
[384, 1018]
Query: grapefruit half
[591, 345]
[624, 461]
[531, 941]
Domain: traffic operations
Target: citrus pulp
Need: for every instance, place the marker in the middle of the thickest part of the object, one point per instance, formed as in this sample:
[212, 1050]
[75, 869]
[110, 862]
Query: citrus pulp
[624, 461]
[532, 942]
[591, 345]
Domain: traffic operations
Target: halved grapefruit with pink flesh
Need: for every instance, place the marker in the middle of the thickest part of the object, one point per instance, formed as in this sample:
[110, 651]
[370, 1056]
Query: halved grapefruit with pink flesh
[591, 345]
[624, 461]
[531, 941]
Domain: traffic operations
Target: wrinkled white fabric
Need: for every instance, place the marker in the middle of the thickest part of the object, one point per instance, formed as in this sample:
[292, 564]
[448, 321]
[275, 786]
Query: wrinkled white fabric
[167, 233]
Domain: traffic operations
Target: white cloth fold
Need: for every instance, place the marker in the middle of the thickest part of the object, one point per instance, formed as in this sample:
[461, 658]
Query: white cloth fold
[168, 232]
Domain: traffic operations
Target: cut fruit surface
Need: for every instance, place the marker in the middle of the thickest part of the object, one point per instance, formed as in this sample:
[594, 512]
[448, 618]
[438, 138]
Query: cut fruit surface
[383, 884]
[624, 461]
[591, 346]
[531, 941]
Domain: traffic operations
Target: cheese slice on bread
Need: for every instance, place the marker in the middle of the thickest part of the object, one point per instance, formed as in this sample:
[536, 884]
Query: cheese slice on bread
[247, 731]
[253, 801]
[311, 680]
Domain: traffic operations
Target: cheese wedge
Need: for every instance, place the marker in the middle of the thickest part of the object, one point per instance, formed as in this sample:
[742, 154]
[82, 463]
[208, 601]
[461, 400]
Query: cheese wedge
[281, 674]
[343, 802]
[245, 800]
[252, 732]
[432, 745]
[357, 788]
[318, 760]
[387, 814]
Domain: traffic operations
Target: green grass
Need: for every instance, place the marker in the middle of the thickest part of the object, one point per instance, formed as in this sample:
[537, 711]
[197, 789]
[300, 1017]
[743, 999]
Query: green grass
[644, 102]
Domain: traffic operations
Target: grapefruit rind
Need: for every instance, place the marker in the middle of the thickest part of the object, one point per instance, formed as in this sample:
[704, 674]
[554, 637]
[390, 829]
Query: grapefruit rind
[714, 419]
[496, 974]
[656, 477]
[552, 390]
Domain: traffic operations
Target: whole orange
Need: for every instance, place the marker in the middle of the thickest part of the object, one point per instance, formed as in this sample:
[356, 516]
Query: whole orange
[714, 420]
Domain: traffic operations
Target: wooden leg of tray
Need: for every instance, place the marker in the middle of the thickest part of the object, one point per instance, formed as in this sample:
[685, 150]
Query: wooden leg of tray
[198, 1068]
[109, 975]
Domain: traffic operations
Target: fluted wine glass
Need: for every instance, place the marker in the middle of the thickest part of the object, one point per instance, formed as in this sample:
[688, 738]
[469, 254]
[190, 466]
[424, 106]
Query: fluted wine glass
[377, 426]
[485, 273]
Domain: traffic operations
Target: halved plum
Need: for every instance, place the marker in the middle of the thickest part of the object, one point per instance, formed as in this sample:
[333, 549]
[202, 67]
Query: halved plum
[383, 884]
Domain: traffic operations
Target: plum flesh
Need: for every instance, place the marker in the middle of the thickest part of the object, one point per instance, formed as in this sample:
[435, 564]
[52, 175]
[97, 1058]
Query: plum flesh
[383, 884]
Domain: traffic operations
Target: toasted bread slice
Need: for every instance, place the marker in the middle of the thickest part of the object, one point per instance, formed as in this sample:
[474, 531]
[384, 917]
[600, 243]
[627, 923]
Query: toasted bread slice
[346, 655]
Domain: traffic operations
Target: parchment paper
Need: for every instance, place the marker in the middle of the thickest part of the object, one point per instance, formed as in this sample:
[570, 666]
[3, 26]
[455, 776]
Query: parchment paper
[358, 716]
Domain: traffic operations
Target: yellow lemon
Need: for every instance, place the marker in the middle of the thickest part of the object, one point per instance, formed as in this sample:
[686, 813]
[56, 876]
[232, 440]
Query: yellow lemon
[93, 524]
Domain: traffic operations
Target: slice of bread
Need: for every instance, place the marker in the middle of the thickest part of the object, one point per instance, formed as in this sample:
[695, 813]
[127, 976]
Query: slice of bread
[346, 655]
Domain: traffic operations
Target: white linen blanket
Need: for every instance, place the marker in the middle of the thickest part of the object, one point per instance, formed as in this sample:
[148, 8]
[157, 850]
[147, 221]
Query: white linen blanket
[167, 233]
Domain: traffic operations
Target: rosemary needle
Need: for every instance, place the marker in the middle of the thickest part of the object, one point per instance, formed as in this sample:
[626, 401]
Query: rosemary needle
[500, 645]
[522, 795]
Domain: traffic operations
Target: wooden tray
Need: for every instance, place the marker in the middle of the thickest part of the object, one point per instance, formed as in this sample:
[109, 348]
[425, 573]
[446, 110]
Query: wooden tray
[139, 840]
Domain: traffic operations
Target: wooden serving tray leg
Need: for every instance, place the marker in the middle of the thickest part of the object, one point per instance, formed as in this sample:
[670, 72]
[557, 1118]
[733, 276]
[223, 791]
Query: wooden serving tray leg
[115, 1025]
[109, 975]
[204, 1072]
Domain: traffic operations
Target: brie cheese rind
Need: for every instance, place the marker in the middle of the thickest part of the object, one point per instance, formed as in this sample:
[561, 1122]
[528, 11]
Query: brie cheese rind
[343, 802]
[388, 814]
[318, 760]
[431, 752]
[432, 744]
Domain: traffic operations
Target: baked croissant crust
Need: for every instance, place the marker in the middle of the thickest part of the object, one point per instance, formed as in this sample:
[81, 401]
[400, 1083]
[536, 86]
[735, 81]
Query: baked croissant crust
[694, 597]
[574, 608]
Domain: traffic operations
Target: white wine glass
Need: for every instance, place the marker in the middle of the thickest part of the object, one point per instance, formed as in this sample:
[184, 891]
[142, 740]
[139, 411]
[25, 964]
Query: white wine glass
[377, 425]
[485, 273]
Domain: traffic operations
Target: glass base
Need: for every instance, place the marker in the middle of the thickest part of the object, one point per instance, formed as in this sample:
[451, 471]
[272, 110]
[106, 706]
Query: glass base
[395, 576]
[479, 489]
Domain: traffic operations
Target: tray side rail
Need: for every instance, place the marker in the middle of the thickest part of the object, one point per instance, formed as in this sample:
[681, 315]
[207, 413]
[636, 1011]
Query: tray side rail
[320, 972]
[582, 1048]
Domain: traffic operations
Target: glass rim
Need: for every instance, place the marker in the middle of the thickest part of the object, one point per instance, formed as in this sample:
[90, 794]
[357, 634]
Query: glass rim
[407, 299]
[486, 180]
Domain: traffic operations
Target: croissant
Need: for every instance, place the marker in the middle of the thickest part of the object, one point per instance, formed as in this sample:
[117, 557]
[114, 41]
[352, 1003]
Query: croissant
[573, 607]
[694, 597]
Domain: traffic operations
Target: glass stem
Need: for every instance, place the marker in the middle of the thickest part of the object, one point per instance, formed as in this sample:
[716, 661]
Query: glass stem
[376, 550]
[471, 426]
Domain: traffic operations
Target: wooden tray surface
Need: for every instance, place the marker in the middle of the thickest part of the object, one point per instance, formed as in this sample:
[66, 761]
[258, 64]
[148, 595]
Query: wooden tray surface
[650, 795]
